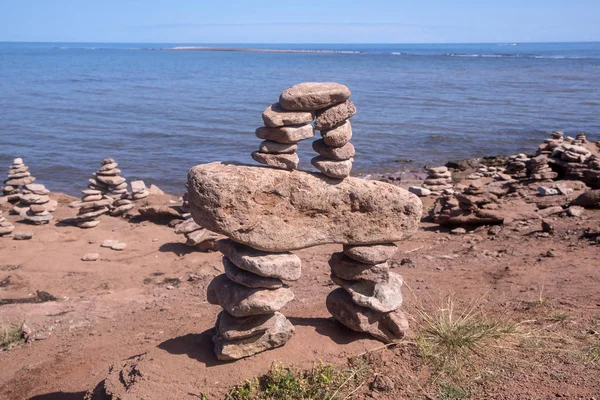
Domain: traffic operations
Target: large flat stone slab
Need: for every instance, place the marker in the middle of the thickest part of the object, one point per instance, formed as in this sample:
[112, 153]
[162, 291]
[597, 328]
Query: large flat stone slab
[311, 96]
[277, 210]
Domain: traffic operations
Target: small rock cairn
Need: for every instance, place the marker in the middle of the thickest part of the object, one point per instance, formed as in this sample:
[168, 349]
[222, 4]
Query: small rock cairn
[289, 121]
[438, 180]
[197, 237]
[6, 227]
[106, 190]
[18, 177]
[139, 190]
[252, 290]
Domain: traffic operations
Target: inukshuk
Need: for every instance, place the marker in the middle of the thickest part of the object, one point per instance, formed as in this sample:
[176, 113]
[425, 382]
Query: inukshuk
[267, 213]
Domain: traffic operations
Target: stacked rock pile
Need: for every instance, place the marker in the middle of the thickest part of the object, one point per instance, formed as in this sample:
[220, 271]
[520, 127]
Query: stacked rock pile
[120, 207]
[18, 176]
[580, 139]
[6, 227]
[139, 190]
[370, 294]
[252, 292]
[92, 205]
[289, 121]
[36, 208]
[438, 179]
[108, 181]
[538, 168]
[517, 166]
[197, 237]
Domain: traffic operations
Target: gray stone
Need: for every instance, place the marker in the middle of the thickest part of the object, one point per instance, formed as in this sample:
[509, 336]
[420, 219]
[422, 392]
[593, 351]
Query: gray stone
[20, 182]
[342, 153]
[23, 235]
[91, 214]
[90, 257]
[202, 239]
[109, 172]
[241, 301]
[546, 191]
[119, 246]
[88, 224]
[286, 134]
[276, 210]
[276, 336]
[382, 297]
[275, 116]
[387, 327]
[372, 254]
[138, 186]
[39, 218]
[575, 211]
[249, 279]
[120, 210]
[346, 268]
[333, 169]
[338, 136]
[109, 166]
[91, 197]
[187, 226]
[311, 96]
[283, 161]
[232, 328]
[334, 116]
[269, 146]
[419, 191]
[110, 180]
[286, 266]
[458, 231]
[6, 229]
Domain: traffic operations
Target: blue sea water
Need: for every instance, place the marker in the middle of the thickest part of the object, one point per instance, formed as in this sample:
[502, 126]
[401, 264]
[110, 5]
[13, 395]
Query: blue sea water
[65, 106]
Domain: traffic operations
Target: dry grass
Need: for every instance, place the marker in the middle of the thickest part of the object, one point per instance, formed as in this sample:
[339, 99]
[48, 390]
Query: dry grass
[11, 336]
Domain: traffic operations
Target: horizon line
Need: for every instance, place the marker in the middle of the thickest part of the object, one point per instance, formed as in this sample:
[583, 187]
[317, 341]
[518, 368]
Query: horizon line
[307, 43]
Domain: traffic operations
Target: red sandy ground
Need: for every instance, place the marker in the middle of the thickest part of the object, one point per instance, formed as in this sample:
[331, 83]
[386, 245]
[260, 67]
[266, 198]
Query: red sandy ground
[118, 307]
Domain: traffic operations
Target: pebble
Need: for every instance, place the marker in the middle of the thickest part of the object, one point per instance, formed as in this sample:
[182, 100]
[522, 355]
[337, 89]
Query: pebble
[90, 257]
[23, 235]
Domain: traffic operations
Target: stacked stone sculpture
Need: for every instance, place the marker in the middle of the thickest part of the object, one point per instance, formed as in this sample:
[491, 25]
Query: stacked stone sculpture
[268, 213]
[438, 179]
[108, 181]
[139, 190]
[289, 121]
[517, 166]
[6, 227]
[538, 168]
[580, 139]
[92, 205]
[18, 176]
[197, 237]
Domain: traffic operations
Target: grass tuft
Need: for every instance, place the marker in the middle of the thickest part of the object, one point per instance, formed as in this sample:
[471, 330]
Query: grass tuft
[11, 336]
[322, 382]
[448, 337]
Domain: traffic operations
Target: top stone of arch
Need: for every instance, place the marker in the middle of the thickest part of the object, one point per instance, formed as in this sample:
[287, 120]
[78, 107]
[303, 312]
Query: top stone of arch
[312, 96]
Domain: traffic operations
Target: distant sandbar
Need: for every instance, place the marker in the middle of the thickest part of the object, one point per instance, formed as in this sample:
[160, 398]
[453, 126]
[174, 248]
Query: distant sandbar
[254, 50]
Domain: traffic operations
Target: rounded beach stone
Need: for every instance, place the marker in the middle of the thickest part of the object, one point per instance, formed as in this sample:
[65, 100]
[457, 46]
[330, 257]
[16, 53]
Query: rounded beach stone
[331, 168]
[387, 327]
[371, 254]
[437, 170]
[335, 115]
[6, 229]
[286, 266]
[342, 153]
[90, 257]
[382, 297]
[276, 335]
[249, 279]
[18, 161]
[311, 96]
[286, 134]
[91, 197]
[241, 301]
[109, 166]
[338, 136]
[269, 146]
[277, 211]
[88, 224]
[275, 116]
[346, 268]
[37, 208]
[23, 235]
[283, 161]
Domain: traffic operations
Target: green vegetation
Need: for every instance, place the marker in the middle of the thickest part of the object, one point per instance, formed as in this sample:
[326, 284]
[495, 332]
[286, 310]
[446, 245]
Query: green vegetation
[322, 382]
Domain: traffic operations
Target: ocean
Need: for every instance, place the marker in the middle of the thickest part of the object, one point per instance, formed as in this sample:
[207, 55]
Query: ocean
[158, 112]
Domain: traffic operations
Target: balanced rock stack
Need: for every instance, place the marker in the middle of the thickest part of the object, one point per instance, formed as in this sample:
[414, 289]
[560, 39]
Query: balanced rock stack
[108, 181]
[35, 208]
[139, 190]
[438, 179]
[289, 121]
[370, 294]
[92, 205]
[251, 292]
[517, 166]
[18, 176]
[267, 214]
[538, 168]
[6, 227]
[580, 139]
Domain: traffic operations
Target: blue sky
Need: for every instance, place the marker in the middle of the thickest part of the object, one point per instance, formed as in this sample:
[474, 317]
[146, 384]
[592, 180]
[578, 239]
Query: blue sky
[309, 21]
